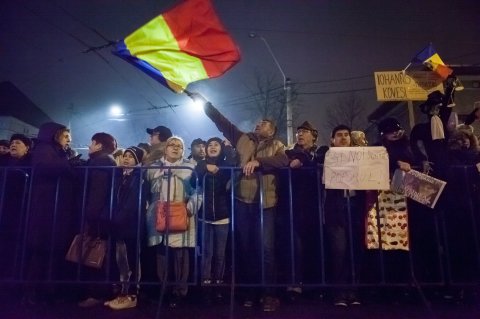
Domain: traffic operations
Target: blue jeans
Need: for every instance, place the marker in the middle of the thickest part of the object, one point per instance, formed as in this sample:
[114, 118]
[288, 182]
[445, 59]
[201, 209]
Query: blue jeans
[215, 241]
[250, 244]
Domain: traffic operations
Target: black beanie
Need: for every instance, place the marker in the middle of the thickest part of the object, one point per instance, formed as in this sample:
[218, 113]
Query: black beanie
[137, 153]
[25, 140]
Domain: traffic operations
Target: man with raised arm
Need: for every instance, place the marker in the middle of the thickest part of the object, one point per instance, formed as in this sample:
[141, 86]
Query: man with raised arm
[257, 151]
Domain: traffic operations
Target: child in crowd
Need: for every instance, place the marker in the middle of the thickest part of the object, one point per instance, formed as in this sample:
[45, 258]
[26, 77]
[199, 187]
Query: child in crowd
[126, 225]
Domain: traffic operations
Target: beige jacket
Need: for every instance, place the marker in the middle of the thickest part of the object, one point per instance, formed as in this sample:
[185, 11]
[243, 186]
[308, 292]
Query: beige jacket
[269, 153]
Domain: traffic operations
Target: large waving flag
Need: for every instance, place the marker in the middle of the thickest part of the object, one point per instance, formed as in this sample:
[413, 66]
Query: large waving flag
[183, 45]
[430, 58]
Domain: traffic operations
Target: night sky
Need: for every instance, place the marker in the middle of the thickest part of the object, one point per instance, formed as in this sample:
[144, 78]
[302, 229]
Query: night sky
[327, 48]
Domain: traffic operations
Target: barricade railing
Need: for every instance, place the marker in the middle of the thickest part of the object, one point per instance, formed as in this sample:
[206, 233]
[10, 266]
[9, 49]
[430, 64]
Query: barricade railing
[444, 242]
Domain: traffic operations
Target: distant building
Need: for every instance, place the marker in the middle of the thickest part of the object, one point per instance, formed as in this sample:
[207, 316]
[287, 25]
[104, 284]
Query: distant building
[18, 114]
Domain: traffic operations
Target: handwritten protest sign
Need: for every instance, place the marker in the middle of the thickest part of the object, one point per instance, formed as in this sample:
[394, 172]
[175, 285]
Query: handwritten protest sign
[401, 86]
[359, 168]
[422, 188]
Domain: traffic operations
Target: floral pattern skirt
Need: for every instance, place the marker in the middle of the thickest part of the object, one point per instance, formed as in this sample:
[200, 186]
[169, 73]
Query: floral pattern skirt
[393, 221]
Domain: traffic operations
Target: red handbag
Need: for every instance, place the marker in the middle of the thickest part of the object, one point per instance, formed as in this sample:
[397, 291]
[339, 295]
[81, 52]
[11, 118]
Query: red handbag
[172, 217]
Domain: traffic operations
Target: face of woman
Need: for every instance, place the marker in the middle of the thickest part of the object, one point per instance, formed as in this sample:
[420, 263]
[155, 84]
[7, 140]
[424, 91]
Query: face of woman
[213, 149]
[18, 149]
[174, 150]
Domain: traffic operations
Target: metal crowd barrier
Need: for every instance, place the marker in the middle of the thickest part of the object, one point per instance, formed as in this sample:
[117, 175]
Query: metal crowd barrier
[444, 250]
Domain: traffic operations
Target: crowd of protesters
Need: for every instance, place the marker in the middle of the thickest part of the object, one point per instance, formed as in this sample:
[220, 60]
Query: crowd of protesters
[288, 229]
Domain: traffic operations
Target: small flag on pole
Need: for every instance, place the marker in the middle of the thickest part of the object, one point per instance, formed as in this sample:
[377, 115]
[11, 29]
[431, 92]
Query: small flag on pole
[430, 58]
[183, 45]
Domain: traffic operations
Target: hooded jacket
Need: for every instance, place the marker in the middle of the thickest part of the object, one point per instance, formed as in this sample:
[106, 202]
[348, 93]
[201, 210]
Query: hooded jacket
[51, 169]
[216, 204]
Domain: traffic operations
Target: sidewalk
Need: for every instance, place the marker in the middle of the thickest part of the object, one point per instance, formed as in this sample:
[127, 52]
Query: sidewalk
[305, 308]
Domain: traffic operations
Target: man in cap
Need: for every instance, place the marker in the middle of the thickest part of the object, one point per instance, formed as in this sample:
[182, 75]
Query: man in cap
[302, 160]
[197, 150]
[158, 139]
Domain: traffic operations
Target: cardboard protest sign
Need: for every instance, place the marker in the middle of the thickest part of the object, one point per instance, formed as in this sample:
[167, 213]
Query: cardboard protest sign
[401, 86]
[360, 168]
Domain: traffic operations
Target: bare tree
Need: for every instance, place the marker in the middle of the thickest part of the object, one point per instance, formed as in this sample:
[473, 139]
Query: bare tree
[347, 109]
[268, 100]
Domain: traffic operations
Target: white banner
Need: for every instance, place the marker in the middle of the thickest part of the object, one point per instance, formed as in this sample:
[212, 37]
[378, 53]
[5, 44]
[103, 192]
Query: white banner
[359, 168]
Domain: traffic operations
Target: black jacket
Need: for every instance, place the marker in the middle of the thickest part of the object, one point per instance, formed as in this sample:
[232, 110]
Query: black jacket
[217, 197]
[98, 203]
[51, 172]
[128, 215]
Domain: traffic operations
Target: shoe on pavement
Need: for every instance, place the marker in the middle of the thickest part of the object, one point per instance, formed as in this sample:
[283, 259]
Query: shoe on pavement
[270, 304]
[122, 302]
[89, 302]
[340, 303]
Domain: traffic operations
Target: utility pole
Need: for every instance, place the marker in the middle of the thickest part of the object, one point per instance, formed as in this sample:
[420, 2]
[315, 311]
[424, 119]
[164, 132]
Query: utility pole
[287, 87]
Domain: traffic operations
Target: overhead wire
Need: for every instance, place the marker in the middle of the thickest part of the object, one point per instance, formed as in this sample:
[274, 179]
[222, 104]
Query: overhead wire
[95, 49]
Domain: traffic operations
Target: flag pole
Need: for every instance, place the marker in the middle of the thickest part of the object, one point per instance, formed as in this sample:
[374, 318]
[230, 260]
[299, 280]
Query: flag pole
[403, 71]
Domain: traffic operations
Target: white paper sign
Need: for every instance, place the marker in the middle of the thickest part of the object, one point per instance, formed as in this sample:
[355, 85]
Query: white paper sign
[359, 168]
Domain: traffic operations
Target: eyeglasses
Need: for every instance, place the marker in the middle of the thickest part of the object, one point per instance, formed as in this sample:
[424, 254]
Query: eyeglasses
[175, 145]
[303, 131]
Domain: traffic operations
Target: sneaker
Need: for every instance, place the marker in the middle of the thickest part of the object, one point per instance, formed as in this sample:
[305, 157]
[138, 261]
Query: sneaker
[355, 302]
[122, 302]
[89, 302]
[270, 304]
[340, 303]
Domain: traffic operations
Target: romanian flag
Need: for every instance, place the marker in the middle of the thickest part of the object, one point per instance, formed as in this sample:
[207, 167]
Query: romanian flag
[430, 58]
[185, 44]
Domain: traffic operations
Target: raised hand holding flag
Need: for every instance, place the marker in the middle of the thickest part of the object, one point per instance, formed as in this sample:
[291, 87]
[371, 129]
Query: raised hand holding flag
[183, 45]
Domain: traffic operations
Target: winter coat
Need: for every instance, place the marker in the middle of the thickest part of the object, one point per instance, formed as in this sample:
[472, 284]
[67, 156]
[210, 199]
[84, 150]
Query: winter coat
[49, 220]
[269, 153]
[304, 186]
[128, 213]
[15, 181]
[180, 191]
[216, 202]
[98, 204]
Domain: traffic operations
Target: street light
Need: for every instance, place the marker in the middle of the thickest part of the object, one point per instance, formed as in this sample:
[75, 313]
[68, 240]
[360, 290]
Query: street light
[286, 86]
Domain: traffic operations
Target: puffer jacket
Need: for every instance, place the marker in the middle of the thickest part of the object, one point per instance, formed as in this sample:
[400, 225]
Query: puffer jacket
[180, 190]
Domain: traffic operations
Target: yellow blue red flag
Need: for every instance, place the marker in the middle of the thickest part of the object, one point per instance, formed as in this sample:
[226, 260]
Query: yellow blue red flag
[430, 58]
[183, 45]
